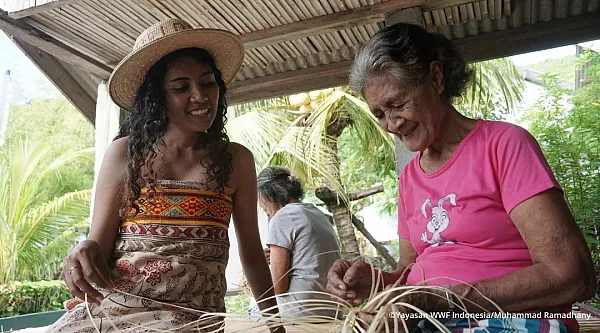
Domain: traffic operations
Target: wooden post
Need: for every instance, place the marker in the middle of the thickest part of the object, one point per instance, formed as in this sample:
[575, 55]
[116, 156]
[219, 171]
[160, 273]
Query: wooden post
[412, 15]
[108, 120]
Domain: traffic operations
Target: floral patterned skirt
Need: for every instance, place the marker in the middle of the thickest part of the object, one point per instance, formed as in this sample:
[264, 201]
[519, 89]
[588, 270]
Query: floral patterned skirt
[168, 267]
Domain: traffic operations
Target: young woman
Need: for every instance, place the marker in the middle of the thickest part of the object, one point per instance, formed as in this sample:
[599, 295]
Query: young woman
[167, 189]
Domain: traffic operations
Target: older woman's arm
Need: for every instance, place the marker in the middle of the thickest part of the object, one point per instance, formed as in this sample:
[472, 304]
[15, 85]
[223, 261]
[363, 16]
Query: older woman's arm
[408, 256]
[562, 271]
[280, 267]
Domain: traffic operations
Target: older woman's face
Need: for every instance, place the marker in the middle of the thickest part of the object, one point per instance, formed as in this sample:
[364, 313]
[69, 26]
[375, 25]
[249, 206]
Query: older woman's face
[191, 95]
[269, 207]
[412, 112]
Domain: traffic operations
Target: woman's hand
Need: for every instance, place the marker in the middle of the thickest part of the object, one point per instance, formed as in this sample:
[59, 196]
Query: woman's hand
[85, 265]
[426, 300]
[351, 282]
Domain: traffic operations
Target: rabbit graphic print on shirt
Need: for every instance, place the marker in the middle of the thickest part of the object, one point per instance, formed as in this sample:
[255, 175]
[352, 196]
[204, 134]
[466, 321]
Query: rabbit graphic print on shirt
[438, 221]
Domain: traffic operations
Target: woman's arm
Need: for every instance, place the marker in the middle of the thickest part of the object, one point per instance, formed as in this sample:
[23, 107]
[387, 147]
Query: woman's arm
[245, 220]
[562, 271]
[408, 256]
[88, 262]
[108, 196]
[280, 267]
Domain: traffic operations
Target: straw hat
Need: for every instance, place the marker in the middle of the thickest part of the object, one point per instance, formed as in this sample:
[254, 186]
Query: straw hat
[163, 38]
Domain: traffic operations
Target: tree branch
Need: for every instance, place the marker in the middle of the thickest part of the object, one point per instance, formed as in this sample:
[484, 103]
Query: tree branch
[378, 246]
[328, 196]
[365, 193]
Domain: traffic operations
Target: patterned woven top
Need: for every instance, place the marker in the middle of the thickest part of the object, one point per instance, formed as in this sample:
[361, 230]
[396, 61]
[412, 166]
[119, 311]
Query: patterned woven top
[180, 203]
[176, 247]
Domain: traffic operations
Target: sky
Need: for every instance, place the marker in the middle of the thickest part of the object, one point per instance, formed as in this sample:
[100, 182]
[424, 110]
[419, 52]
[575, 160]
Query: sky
[555, 53]
[26, 77]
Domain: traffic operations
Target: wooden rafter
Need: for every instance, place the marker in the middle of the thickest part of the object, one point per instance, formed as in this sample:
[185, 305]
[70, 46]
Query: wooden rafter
[281, 84]
[476, 48]
[26, 33]
[41, 8]
[539, 36]
[62, 79]
[326, 23]
[439, 4]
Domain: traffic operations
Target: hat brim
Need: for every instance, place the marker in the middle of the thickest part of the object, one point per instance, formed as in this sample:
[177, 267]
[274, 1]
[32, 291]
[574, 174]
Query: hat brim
[225, 48]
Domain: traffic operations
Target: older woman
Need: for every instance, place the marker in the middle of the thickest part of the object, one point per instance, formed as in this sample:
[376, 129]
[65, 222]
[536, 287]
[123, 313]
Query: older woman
[302, 243]
[480, 211]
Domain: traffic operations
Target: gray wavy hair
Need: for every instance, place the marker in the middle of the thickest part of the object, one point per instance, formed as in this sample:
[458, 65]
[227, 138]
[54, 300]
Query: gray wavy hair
[276, 184]
[405, 52]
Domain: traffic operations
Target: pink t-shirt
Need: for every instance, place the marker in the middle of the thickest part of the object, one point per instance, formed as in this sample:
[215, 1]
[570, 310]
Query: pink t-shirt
[457, 218]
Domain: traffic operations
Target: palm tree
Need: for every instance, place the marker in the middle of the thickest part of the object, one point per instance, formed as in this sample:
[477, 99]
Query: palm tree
[35, 234]
[496, 90]
[303, 133]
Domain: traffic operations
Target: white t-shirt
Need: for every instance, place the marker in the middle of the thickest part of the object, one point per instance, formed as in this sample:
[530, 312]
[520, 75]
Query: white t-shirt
[306, 231]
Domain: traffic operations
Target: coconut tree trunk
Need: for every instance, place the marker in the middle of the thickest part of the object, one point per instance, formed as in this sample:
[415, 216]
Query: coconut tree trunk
[342, 221]
[339, 209]
[341, 213]
[345, 228]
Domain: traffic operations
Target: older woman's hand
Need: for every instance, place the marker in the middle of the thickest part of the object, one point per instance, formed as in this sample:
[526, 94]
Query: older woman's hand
[429, 300]
[352, 282]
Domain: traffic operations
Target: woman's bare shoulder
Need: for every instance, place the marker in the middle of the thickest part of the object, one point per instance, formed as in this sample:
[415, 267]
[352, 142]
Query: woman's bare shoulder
[116, 153]
[242, 163]
[239, 154]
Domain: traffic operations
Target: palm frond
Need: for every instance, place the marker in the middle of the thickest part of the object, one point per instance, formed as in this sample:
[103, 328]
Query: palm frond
[309, 159]
[40, 227]
[371, 136]
[21, 168]
[494, 81]
[28, 224]
[259, 131]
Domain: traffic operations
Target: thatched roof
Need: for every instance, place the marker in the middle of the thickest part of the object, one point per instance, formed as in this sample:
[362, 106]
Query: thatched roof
[295, 45]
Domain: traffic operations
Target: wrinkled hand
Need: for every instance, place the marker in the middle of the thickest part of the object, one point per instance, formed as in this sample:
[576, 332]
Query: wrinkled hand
[85, 265]
[351, 282]
[267, 254]
[425, 301]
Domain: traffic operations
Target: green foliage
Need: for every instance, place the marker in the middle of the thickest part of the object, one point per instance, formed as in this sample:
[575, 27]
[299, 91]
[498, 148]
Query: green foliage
[494, 92]
[567, 126]
[19, 298]
[63, 128]
[238, 304]
[35, 233]
[564, 67]
[46, 172]
[361, 171]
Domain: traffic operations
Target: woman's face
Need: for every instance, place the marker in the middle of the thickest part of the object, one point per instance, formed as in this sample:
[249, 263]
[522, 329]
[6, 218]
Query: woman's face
[412, 112]
[269, 207]
[191, 95]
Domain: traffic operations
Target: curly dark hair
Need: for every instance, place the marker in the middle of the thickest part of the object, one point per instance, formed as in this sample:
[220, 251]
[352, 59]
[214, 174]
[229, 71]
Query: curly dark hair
[147, 123]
